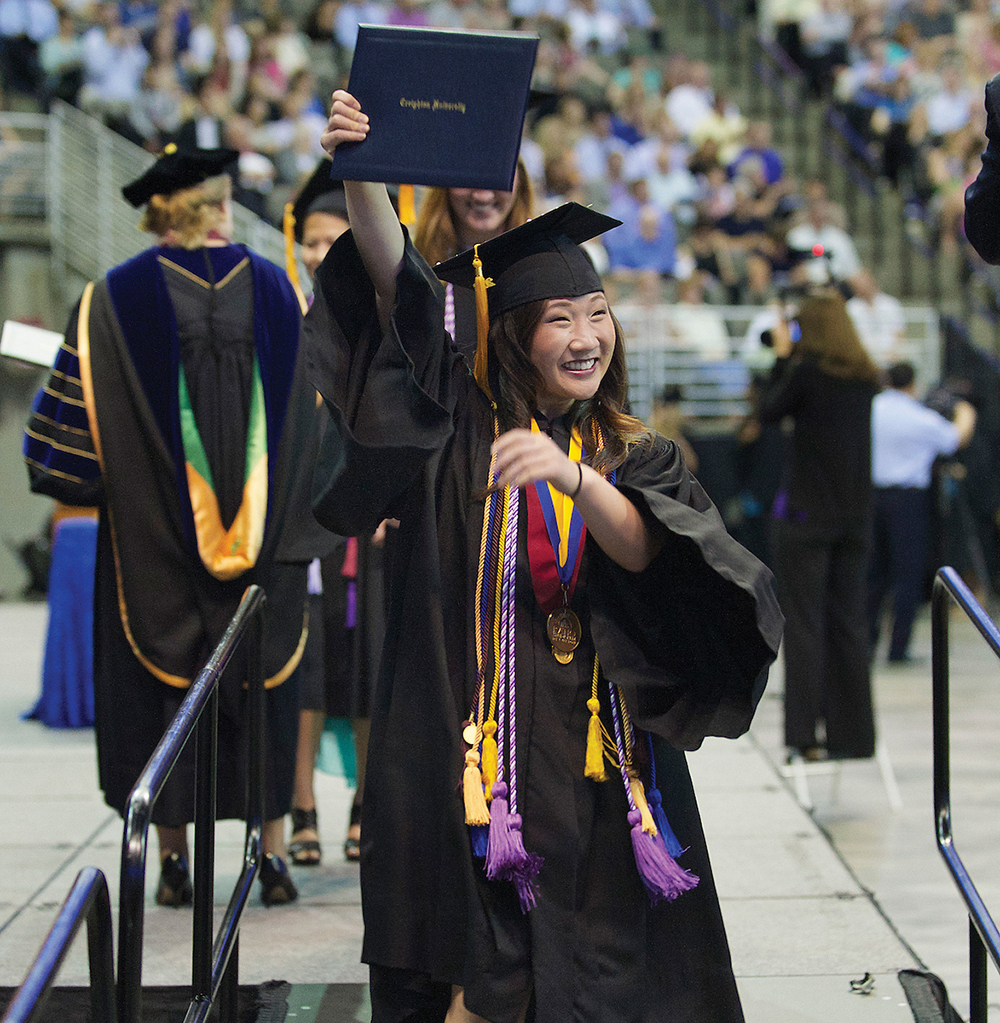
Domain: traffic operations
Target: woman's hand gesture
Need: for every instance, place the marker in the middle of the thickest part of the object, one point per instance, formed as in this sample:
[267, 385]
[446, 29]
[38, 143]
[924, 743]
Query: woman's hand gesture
[524, 456]
[346, 122]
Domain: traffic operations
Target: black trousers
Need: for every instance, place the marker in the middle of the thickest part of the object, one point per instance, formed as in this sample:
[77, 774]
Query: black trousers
[821, 572]
[900, 539]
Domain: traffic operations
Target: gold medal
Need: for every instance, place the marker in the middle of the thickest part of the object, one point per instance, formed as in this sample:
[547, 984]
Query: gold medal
[470, 734]
[564, 631]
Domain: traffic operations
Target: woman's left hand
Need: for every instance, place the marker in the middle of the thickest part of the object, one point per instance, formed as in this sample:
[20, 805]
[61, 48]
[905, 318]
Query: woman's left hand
[524, 456]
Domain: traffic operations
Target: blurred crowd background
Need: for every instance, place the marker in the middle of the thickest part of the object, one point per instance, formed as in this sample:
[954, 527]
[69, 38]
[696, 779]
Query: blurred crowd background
[618, 118]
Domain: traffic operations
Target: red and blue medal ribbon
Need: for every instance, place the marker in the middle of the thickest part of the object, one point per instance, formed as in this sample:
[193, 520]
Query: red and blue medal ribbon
[555, 537]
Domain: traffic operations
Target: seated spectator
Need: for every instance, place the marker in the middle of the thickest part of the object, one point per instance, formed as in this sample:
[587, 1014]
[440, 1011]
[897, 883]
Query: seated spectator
[740, 233]
[877, 317]
[725, 125]
[823, 37]
[592, 27]
[155, 115]
[829, 254]
[951, 108]
[646, 243]
[673, 188]
[61, 58]
[24, 26]
[690, 101]
[696, 327]
[595, 145]
[114, 60]
[932, 20]
[644, 158]
[207, 112]
[757, 145]
[351, 14]
[950, 168]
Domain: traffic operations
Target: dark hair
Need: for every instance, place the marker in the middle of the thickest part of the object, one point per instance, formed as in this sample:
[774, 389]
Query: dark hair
[901, 375]
[829, 337]
[515, 381]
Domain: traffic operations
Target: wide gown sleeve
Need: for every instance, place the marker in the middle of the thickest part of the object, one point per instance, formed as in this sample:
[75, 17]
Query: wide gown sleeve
[390, 396]
[982, 197]
[693, 634]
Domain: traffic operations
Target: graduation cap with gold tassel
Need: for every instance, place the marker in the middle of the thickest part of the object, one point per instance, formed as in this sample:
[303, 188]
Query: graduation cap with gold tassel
[540, 259]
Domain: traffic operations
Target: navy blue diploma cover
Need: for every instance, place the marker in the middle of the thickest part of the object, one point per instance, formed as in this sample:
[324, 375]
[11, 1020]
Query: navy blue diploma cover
[446, 107]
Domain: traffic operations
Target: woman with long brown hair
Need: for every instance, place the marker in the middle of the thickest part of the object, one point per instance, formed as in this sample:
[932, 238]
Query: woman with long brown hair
[562, 590]
[452, 220]
[824, 383]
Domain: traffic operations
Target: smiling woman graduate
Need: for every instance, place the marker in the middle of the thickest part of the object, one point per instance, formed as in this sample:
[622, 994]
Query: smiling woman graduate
[565, 599]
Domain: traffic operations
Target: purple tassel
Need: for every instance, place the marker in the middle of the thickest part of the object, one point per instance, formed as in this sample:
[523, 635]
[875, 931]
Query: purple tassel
[525, 867]
[655, 801]
[663, 878]
[499, 853]
[480, 835]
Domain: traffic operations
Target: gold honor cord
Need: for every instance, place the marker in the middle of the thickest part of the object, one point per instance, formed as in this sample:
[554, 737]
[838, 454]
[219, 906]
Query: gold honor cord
[227, 553]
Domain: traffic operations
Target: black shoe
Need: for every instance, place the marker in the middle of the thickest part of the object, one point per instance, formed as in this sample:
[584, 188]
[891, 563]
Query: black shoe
[174, 888]
[276, 885]
[906, 661]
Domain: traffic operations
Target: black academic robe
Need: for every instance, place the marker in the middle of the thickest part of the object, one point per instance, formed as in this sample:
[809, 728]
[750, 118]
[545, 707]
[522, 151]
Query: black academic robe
[106, 430]
[689, 640]
[982, 197]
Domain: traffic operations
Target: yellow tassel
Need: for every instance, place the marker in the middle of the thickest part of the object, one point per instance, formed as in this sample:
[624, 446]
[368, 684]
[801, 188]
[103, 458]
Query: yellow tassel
[407, 206]
[480, 369]
[639, 796]
[489, 756]
[291, 265]
[476, 811]
[594, 764]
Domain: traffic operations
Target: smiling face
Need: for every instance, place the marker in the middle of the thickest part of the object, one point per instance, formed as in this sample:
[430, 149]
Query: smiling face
[479, 214]
[319, 232]
[571, 348]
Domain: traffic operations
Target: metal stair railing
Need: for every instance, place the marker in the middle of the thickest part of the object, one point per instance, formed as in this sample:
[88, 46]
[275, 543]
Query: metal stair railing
[214, 964]
[984, 938]
[87, 900]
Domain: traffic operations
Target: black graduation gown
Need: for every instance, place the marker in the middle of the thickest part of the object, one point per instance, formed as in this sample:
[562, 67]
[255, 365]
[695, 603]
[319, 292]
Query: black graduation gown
[690, 639]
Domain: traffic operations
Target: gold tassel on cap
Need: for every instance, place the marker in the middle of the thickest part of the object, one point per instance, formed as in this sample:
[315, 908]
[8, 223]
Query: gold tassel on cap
[481, 283]
[407, 206]
[291, 265]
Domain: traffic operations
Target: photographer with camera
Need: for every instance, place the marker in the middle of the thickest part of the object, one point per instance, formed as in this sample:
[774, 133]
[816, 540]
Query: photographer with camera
[823, 384]
[907, 437]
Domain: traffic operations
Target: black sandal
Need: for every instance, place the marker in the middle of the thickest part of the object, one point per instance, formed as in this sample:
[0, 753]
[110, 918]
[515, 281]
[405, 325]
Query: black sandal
[174, 888]
[276, 885]
[304, 852]
[352, 846]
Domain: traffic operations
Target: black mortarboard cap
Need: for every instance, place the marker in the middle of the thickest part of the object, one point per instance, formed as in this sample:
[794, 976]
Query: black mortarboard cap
[320, 194]
[540, 259]
[178, 168]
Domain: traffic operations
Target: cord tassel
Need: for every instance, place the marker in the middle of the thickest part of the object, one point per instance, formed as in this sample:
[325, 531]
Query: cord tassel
[489, 764]
[594, 763]
[639, 797]
[476, 811]
[670, 840]
[662, 877]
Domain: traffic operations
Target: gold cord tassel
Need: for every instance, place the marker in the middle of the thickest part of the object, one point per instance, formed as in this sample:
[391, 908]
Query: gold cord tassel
[480, 369]
[594, 764]
[489, 756]
[291, 266]
[639, 795]
[476, 811]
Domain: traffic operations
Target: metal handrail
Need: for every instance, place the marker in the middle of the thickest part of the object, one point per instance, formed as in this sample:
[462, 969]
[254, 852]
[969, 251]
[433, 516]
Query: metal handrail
[984, 938]
[87, 900]
[214, 964]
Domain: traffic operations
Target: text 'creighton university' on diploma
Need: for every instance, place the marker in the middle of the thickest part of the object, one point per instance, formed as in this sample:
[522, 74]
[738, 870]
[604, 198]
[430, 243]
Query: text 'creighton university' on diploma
[432, 105]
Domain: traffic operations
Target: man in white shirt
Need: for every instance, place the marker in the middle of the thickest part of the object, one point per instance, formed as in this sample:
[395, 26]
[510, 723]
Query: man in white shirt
[877, 317]
[906, 438]
[830, 253]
